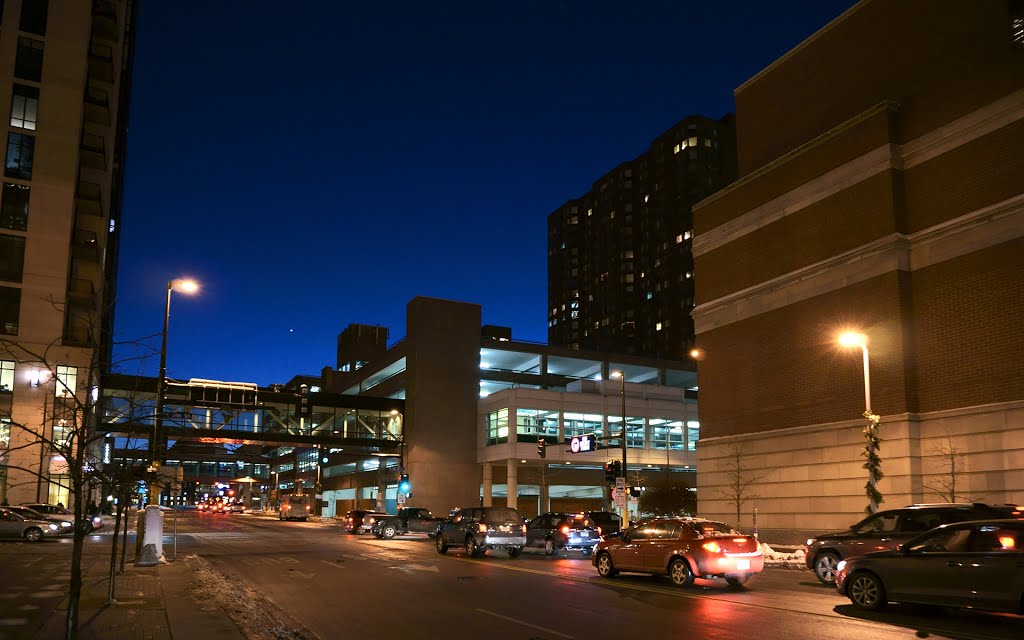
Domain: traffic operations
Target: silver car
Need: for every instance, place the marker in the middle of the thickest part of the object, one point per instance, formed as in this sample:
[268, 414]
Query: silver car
[14, 526]
[967, 564]
[481, 528]
[66, 528]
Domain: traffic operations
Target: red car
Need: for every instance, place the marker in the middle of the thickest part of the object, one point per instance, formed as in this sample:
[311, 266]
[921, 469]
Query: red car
[682, 548]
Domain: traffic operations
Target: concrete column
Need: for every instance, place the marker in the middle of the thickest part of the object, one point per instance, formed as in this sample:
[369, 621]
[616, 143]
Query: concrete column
[513, 484]
[488, 472]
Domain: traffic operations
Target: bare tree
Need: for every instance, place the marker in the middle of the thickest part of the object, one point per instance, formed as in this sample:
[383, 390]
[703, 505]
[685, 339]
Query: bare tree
[739, 480]
[540, 476]
[950, 460]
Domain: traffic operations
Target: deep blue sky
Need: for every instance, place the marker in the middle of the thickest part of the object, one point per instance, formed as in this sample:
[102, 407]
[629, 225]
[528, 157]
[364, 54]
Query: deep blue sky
[323, 164]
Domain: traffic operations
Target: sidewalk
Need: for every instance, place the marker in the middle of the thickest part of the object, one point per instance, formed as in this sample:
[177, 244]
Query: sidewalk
[152, 603]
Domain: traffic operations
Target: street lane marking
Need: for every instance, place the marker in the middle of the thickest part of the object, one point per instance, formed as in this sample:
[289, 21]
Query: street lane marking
[333, 564]
[525, 624]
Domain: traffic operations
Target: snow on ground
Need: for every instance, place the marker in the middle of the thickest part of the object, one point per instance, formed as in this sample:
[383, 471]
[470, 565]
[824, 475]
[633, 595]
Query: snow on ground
[787, 559]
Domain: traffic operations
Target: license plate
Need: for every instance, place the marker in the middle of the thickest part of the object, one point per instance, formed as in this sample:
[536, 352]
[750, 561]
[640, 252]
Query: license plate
[743, 565]
[504, 528]
[584, 534]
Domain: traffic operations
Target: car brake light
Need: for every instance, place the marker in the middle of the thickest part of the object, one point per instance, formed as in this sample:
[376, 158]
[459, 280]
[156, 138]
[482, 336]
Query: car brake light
[482, 528]
[739, 539]
[307, 507]
[565, 529]
[524, 528]
[599, 531]
[712, 546]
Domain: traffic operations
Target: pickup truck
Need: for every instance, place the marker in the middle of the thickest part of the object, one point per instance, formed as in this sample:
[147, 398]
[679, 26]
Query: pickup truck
[407, 520]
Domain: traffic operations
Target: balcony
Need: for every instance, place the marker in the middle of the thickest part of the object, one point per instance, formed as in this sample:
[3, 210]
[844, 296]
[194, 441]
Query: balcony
[97, 106]
[92, 152]
[101, 63]
[89, 199]
[85, 246]
[104, 21]
[82, 292]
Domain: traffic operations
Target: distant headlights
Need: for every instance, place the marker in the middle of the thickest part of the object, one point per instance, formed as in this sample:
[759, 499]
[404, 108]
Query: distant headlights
[53, 527]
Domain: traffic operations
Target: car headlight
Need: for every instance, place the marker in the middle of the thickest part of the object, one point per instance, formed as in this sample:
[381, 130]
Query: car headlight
[97, 519]
[53, 527]
[810, 541]
[840, 566]
[66, 525]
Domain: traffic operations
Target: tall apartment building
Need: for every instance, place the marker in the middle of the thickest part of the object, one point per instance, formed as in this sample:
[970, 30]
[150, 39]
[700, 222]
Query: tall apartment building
[64, 75]
[620, 267]
[881, 189]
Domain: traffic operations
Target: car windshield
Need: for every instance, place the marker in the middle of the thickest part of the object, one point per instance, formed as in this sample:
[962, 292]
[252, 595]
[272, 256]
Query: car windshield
[501, 515]
[579, 522]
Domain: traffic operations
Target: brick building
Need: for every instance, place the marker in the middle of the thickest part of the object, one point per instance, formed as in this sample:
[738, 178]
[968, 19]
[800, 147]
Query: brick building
[881, 189]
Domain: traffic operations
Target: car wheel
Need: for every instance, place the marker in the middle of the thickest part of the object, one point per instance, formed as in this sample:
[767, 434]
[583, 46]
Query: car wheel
[377, 534]
[389, 531]
[679, 572]
[825, 567]
[33, 534]
[605, 568]
[515, 552]
[441, 546]
[865, 591]
[549, 547]
[472, 550]
[736, 581]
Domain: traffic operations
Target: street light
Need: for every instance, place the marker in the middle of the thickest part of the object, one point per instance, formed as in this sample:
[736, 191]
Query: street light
[625, 470]
[184, 285]
[851, 339]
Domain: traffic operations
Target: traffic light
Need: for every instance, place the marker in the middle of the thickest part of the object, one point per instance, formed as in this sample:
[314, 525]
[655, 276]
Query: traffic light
[404, 486]
[542, 448]
[611, 470]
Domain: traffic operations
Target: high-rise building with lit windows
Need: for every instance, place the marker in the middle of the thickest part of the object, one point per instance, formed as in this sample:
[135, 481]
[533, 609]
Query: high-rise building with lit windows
[620, 268]
[64, 78]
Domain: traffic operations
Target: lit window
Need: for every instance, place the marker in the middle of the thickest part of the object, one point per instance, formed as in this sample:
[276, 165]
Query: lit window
[657, 327]
[649, 295]
[67, 381]
[676, 149]
[21, 150]
[24, 107]
[679, 238]
[687, 235]
[646, 198]
[692, 142]
[6, 375]
[14, 207]
[707, 142]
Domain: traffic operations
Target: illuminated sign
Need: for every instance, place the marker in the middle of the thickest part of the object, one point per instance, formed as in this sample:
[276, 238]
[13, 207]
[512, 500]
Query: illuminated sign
[583, 444]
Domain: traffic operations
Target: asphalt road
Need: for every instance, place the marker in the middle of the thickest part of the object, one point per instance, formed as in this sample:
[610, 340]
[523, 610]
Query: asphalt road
[342, 586]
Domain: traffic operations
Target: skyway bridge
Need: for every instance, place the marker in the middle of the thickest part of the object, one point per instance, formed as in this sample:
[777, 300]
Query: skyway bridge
[241, 413]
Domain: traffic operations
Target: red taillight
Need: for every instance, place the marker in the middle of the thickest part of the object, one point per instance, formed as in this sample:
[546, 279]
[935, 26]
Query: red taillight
[307, 507]
[599, 531]
[712, 546]
[524, 528]
[565, 529]
[739, 539]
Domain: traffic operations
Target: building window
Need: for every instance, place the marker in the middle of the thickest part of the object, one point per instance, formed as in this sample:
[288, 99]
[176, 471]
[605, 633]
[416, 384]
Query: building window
[1017, 23]
[67, 381]
[33, 16]
[14, 207]
[578, 424]
[28, 65]
[497, 426]
[6, 375]
[61, 433]
[692, 434]
[5, 433]
[10, 308]
[532, 424]
[60, 489]
[12, 257]
[20, 152]
[24, 107]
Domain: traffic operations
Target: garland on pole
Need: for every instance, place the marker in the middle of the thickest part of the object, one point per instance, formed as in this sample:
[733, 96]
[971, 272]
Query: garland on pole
[873, 463]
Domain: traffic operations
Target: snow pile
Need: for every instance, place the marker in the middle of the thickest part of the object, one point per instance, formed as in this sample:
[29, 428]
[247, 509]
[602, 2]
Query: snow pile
[254, 616]
[790, 559]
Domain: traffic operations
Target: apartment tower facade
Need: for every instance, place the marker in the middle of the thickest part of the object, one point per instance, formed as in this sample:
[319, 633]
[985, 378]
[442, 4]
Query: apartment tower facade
[620, 267]
[881, 190]
[64, 77]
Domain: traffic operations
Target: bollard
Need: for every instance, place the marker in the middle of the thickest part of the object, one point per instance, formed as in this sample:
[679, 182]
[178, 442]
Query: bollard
[152, 535]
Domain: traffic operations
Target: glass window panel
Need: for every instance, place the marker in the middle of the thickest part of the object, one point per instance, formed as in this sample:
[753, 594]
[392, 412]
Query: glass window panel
[33, 16]
[24, 106]
[28, 64]
[12, 257]
[20, 155]
[10, 308]
[6, 375]
[67, 381]
[14, 207]
[497, 426]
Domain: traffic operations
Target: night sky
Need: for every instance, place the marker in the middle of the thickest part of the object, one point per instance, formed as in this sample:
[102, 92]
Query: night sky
[323, 164]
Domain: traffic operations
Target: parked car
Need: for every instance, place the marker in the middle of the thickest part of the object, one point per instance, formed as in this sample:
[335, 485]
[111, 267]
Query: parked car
[973, 564]
[683, 548]
[609, 521]
[557, 531]
[13, 525]
[478, 529]
[57, 512]
[407, 520]
[890, 528]
[66, 528]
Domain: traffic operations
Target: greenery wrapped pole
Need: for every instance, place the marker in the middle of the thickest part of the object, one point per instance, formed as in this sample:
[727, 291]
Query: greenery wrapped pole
[873, 464]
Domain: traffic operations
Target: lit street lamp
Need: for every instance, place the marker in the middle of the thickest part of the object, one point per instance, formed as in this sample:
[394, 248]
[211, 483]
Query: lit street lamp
[184, 285]
[621, 375]
[856, 339]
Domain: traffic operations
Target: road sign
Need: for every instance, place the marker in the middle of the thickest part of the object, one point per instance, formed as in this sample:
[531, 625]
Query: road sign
[620, 484]
[620, 500]
[583, 444]
[401, 498]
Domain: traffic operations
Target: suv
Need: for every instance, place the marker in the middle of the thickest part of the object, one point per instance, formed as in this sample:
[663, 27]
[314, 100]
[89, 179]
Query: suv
[478, 529]
[360, 520]
[609, 521]
[569, 531]
[889, 529]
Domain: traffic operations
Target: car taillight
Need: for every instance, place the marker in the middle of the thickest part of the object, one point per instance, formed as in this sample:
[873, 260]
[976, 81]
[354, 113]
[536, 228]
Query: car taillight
[599, 531]
[524, 528]
[307, 507]
[739, 539]
[482, 528]
[565, 529]
[712, 546]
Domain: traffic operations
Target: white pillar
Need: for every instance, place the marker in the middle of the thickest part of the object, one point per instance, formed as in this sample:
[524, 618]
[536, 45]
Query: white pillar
[513, 485]
[152, 551]
[488, 483]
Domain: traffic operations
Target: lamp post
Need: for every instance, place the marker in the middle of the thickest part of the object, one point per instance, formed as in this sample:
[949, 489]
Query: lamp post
[621, 375]
[185, 285]
[856, 339]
